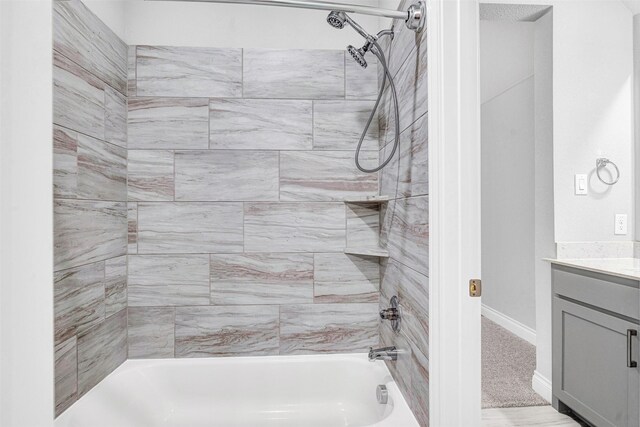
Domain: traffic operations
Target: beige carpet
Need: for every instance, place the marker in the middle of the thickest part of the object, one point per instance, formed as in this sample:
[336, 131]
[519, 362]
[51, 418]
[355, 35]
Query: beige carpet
[508, 363]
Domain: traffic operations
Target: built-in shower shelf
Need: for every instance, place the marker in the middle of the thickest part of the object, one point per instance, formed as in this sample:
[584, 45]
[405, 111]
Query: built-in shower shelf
[368, 200]
[379, 252]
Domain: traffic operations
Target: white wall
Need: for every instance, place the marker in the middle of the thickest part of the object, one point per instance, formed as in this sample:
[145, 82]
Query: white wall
[592, 113]
[508, 169]
[26, 226]
[636, 85]
[180, 23]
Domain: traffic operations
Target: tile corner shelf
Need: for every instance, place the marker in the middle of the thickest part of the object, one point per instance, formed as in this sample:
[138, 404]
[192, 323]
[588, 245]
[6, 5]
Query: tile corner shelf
[378, 252]
[368, 199]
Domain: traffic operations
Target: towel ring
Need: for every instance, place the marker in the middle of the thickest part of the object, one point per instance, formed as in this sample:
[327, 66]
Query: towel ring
[601, 163]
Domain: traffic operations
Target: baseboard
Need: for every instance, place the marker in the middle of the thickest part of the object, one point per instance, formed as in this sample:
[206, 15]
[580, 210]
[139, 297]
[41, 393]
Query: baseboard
[511, 325]
[542, 386]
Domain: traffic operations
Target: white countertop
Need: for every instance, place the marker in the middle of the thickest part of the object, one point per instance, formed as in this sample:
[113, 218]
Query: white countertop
[628, 268]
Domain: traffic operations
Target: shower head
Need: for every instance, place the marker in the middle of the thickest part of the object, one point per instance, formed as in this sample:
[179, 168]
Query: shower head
[358, 55]
[337, 19]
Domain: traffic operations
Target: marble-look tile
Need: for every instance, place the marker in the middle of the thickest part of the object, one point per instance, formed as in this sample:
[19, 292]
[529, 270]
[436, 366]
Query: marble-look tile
[226, 331]
[132, 228]
[419, 402]
[408, 173]
[405, 232]
[293, 73]
[189, 227]
[115, 117]
[102, 170]
[346, 278]
[65, 162]
[150, 175]
[361, 83]
[101, 350]
[271, 278]
[189, 71]
[328, 328]
[168, 123]
[401, 369]
[168, 280]
[66, 374]
[78, 98]
[294, 227]
[325, 175]
[150, 332]
[338, 125]
[581, 250]
[226, 175]
[131, 71]
[363, 225]
[260, 124]
[88, 231]
[82, 37]
[115, 285]
[78, 300]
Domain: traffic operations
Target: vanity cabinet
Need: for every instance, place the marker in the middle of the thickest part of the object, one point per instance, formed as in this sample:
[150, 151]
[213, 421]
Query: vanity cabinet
[595, 317]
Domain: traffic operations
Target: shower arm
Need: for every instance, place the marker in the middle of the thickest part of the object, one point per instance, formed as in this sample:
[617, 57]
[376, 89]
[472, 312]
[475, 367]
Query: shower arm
[414, 16]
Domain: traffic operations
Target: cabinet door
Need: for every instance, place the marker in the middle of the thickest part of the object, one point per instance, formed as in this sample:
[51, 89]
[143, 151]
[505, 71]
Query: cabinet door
[590, 372]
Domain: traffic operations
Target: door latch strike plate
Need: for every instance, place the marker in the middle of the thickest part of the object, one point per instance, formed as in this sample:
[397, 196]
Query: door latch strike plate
[475, 287]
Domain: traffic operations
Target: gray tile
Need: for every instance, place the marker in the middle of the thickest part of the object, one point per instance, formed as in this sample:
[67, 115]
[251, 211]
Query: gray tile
[226, 175]
[338, 125]
[88, 231]
[66, 374]
[132, 228]
[115, 120]
[263, 124]
[328, 328]
[408, 173]
[362, 83]
[150, 175]
[65, 163]
[290, 73]
[294, 227]
[131, 72]
[325, 175]
[150, 332]
[168, 280]
[115, 285]
[101, 350]
[86, 40]
[102, 170]
[78, 300]
[261, 279]
[189, 71]
[405, 232]
[189, 227]
[78, 98]
[343, 278]
[226, 331]
[419, 403]
[168, 123]
[363, 225]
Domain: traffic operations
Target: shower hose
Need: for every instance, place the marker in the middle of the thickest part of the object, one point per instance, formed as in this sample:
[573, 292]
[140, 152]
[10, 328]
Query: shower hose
[377, 51]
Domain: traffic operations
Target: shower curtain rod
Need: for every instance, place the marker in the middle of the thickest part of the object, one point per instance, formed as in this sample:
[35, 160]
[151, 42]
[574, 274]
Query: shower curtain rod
[318, 5]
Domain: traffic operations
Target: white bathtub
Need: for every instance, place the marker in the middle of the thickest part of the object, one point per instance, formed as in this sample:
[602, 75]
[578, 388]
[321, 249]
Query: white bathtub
[282, 391]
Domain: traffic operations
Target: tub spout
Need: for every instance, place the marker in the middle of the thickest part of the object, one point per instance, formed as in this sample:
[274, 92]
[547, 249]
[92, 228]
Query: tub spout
[384, 353]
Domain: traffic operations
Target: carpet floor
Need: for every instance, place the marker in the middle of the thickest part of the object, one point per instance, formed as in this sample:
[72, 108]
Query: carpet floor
[508, 363]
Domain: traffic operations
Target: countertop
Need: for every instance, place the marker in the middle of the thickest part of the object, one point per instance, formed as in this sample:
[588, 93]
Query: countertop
[629, 268]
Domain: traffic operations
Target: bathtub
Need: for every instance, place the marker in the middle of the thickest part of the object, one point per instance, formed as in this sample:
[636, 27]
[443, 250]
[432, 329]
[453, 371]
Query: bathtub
[282, 391]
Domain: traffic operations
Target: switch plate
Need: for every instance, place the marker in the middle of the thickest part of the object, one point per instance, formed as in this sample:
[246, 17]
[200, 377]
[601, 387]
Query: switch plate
[621, 224]
[581, 185]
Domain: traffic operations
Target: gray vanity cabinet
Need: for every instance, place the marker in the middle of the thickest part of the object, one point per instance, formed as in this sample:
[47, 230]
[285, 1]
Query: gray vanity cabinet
[592, 367]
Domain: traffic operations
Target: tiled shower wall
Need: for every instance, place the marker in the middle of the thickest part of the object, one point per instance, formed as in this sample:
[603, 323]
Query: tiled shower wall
[90, 193]
[239, 162]
[405, 227]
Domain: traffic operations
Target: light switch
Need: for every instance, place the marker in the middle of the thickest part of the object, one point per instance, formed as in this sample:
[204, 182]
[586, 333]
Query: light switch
[621, 224]
[581, 185]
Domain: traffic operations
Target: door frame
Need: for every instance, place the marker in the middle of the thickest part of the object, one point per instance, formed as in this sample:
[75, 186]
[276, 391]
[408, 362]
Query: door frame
[454, 212]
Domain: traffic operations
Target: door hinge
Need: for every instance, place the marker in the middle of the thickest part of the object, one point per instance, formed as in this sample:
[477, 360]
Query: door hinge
[475, 287]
